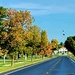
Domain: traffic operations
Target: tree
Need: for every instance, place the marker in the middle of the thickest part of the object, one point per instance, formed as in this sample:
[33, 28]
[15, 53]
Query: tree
[15, 41]
[61, 45]
[44, 42]
[15, 22]
[54, 43]
[3, 32]
[42, 53]
[49, 50]
[36, 38]
[2, 16]
[70, 44]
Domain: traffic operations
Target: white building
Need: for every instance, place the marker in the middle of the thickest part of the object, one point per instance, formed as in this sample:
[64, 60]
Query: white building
[63, 51]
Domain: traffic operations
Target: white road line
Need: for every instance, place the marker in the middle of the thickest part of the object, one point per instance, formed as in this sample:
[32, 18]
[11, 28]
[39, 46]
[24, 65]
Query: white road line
[71, 60]
[18, 70]
[56, 63]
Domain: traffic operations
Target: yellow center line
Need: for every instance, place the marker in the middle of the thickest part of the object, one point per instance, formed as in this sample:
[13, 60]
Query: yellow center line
[55, 64]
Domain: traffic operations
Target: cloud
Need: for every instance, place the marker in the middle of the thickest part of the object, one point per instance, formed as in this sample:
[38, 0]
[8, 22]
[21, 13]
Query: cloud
[38, 9]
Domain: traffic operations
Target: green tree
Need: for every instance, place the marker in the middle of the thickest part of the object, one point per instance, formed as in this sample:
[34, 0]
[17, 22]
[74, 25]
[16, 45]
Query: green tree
[61, 45]
[70, 44]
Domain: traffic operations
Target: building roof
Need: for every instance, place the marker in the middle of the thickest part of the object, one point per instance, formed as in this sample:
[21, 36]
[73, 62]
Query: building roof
[63, 49]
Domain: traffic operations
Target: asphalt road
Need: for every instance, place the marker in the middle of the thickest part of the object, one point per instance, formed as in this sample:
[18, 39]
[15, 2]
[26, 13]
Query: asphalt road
[57, 66]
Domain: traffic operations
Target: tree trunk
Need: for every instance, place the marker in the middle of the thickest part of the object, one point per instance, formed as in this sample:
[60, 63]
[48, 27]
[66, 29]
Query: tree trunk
[31, 58]
[35, 55]
[4, 59]
[42, 56]
[12, 61]
[25, 56]
[16, 56]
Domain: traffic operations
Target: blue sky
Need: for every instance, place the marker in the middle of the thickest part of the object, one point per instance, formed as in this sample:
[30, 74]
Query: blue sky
[54, 16]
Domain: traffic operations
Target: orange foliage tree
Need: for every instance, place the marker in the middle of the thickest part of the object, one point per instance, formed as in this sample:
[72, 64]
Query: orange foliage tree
[49, 50]
[17, 23]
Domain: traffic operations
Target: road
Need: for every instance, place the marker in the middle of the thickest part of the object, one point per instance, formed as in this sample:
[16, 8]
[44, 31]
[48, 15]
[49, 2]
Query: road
[57, 66]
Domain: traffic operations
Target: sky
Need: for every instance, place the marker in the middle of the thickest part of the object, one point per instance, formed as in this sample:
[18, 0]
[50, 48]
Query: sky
[57, 17]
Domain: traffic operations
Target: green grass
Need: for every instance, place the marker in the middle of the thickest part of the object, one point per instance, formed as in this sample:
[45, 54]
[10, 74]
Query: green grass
[71, 56]
[18, 64]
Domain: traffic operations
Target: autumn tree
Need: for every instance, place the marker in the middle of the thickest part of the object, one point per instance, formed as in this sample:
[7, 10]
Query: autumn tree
[36, 38]
[17, 35]
[2, 16]
[49, 49]
[44, 42]
[15, 22]
[3, 32]
[54, 43]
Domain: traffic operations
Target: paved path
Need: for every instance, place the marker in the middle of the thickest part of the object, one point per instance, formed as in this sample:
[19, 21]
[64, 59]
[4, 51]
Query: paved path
[57, 66]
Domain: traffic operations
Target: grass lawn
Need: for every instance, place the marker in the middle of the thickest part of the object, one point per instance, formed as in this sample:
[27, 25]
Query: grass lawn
[20, 63]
